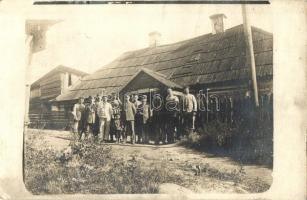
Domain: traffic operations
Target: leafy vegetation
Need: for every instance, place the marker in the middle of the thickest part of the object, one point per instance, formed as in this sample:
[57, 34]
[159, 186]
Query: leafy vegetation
[246, 146]
[102, 169]
[89, 168]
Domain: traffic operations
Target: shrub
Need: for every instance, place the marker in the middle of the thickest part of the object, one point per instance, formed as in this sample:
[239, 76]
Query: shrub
[246, 146]
[89, 168]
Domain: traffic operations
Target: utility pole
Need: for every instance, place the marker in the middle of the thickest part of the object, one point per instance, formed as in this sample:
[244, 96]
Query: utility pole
[250, 49]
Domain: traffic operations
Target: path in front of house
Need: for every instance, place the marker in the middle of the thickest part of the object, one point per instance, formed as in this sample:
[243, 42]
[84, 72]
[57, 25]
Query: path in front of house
[177, 159]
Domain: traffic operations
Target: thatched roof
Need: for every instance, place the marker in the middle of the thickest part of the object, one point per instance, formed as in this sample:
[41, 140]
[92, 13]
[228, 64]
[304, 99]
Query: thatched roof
[205, 59]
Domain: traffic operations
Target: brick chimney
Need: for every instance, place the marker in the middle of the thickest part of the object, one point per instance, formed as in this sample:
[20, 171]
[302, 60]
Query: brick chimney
[154, 39]
[217, 23]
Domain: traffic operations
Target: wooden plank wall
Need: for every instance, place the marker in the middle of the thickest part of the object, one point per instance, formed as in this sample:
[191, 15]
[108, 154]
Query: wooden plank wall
[49, 120]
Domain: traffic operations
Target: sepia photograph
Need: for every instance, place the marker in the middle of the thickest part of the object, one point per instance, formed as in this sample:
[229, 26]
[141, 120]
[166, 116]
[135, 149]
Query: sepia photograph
[153, 100]
[179, 100]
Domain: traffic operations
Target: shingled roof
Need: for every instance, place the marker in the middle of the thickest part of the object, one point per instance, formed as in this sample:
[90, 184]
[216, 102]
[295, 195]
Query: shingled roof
[205, 59]
[58, 69]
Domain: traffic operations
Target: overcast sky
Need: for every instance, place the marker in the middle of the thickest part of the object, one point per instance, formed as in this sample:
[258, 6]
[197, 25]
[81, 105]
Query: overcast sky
[89, 42]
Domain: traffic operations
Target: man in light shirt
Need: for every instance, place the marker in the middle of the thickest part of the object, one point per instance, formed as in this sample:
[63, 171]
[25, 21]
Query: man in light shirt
[189, 108]
[128, 118]
[104, 113]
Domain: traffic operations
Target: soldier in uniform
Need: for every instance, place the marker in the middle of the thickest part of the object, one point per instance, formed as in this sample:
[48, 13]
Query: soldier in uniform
[144, 113]
[78, 112]
[96, 124]
[104, 113]
[138, 120]
[116, 118]
[189, 109]
[90, 117]
[172, 108]
[158, 117]
[129, 118]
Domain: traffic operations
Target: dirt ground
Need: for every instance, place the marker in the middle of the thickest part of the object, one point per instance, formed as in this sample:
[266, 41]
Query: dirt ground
[178, 159]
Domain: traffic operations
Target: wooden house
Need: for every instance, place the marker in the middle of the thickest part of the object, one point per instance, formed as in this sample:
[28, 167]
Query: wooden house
[217, 62]
[42, 110]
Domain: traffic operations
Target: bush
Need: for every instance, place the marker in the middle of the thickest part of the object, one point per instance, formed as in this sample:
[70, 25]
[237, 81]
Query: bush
[89, 168]
[255, 146]
[214, 134]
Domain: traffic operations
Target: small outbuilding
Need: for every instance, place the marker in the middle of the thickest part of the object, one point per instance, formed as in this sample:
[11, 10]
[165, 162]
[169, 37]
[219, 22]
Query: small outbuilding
[42, 110]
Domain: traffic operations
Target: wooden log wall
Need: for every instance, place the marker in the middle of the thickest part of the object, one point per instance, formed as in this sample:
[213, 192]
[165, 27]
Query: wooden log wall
[49, 120]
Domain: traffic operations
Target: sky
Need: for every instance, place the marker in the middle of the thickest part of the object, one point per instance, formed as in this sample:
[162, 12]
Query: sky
[88, 42]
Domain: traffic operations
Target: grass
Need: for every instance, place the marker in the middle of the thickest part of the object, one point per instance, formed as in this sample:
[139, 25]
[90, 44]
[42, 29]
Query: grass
[89, 168]
[237, 176]
[100, 169]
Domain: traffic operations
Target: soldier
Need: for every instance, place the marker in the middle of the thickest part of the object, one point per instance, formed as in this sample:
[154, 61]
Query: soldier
[138, 120]
[104, 114]
[96, 124]
[158, 117]
[90, 115]
[128, 118]
[144, 113]
[116, 118]
[78, 112]
[172, 108]
[189, 109]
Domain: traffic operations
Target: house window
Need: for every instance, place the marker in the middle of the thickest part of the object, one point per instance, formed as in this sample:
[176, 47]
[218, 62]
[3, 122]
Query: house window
[69, 80]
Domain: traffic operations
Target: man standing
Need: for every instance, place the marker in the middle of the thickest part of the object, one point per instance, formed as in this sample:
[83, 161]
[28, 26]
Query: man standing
[129, 117]
[189, 108]
[116, 106]
[78, 112]
[116, 124]
[96, 124]
[90, 114]
[172, 108]
[138, 120]
[158, 117]
[104, 114]
[144, 112]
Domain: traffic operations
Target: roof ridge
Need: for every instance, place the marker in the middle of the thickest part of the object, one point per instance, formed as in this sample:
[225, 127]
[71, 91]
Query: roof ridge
[153, 71]
[222, 58]
[58, 68]
[261, 30]
[169, 44]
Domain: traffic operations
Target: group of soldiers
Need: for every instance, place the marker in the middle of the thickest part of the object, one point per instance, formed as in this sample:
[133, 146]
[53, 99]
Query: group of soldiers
[164, 118]
[106, 118]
